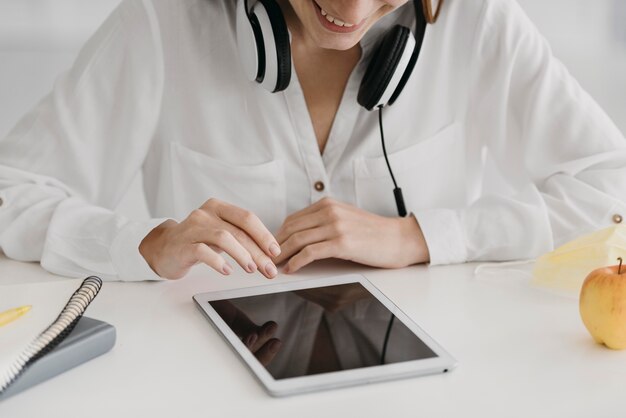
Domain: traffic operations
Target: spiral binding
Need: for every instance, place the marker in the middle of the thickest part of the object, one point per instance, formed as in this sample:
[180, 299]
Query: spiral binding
[56, 332]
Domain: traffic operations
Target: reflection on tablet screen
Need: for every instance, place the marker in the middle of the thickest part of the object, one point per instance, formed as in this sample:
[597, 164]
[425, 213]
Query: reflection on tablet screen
[320, 330]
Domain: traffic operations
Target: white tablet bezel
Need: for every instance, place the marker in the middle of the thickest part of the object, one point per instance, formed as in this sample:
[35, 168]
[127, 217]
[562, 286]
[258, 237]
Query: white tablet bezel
[289, 386]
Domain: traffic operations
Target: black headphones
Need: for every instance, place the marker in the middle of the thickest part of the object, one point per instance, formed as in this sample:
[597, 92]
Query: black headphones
[265, 53]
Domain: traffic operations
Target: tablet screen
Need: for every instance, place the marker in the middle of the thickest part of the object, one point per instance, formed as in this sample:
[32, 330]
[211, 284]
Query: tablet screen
[320, 330]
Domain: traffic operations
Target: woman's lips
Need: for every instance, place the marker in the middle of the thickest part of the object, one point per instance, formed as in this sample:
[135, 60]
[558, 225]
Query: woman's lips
[334, 24]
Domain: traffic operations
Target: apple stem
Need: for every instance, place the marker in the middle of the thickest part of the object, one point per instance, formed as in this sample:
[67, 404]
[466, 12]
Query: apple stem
[619, 269]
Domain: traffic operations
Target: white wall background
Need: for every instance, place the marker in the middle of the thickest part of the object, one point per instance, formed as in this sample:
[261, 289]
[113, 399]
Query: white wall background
[40, 38]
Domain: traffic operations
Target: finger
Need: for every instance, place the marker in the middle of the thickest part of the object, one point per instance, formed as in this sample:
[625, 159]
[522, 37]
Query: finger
[324, 212]
[250, 224]
[297, 224]
[225, 241]
[318, 251]
[296, 242]
[250, 340]
[204, 254]
[264, 333]
[265, 265]
[323, 202]
[266, 354]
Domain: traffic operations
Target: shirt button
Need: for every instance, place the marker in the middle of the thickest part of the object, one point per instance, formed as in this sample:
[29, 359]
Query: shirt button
[319, 186]
[617, 218]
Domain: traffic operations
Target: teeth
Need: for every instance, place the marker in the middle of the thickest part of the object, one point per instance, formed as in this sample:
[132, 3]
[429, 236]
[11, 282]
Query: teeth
[334, 20]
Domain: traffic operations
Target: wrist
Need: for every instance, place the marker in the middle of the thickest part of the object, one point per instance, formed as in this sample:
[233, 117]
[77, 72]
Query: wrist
[413, 243]
[152, 243]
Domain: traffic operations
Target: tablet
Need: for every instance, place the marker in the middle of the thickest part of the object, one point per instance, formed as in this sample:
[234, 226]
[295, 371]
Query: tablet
[327, 333]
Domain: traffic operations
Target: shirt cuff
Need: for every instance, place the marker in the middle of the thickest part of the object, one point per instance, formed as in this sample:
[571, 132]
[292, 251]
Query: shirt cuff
[444, 236]
[125, 256]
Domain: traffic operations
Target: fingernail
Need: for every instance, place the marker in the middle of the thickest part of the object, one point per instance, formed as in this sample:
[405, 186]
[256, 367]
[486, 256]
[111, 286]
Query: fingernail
[251, 267]
[274, 249]
[227, 269]
[270, 269]
[286, 269]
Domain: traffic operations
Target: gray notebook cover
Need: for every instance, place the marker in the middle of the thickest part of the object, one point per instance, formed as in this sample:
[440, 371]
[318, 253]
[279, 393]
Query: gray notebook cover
[89, 338]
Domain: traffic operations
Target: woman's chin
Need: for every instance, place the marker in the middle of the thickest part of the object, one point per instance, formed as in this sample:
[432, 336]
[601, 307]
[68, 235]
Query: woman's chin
[337, 42]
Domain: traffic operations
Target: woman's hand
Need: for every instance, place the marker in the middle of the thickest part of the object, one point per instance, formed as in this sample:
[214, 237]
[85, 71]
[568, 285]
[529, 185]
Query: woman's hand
[331, 229]
[172, 248]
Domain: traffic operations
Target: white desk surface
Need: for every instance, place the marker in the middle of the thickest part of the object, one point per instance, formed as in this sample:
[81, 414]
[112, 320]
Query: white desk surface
[522, 352]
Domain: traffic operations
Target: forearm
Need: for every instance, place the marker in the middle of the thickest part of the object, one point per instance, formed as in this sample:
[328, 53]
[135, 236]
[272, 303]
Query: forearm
[40, 222]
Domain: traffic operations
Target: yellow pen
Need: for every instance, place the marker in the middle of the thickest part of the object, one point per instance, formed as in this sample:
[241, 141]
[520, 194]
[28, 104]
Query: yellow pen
[12, 314]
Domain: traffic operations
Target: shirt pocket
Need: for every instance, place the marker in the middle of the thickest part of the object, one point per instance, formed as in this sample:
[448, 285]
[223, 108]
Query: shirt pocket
[259, 188]
[431, 174]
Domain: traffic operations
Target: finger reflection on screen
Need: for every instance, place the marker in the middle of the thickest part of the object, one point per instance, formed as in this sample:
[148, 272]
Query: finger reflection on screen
[320, 330]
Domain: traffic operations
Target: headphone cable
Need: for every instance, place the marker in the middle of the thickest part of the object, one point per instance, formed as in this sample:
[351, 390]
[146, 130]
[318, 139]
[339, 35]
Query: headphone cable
[397, 192]
[387, 334]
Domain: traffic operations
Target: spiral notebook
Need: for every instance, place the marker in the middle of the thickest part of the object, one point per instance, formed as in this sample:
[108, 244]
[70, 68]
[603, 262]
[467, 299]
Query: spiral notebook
[69, 340]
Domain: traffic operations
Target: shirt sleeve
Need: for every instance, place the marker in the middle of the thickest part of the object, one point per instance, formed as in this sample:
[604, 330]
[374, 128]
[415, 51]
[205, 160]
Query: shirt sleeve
[67, 163]
[561, 155]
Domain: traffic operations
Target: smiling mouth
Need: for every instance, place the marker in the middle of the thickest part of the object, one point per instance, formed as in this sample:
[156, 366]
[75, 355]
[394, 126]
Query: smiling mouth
[333, 23]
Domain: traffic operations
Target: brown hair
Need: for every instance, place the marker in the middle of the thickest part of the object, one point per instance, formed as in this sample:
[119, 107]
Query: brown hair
[430, 12]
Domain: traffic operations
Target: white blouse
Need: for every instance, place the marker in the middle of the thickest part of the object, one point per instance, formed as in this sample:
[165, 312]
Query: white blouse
[159, 89]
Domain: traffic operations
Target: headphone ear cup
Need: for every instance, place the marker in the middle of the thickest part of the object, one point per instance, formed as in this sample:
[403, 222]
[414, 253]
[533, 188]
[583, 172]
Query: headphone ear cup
[250, 44]
[389, 68]
[273, 28]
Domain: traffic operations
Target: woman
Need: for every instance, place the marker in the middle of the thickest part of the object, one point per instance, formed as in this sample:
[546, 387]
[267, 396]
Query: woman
[300, 175]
